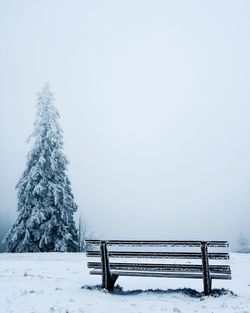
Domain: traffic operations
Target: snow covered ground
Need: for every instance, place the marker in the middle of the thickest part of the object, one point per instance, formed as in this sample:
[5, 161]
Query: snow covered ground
[52, 282]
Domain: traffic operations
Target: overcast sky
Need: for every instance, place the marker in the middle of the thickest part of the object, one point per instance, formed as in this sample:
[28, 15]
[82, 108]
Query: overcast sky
[154, 98]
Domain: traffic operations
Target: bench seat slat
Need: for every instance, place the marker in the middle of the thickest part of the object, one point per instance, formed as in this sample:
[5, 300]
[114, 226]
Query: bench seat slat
[160, 243]
[222, 269]
[157, 274]
[159, 255]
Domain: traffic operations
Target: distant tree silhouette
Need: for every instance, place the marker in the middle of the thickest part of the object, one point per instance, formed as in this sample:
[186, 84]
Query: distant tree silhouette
[243, 244]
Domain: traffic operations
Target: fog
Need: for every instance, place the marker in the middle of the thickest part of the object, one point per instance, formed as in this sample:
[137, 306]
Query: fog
[154, 100]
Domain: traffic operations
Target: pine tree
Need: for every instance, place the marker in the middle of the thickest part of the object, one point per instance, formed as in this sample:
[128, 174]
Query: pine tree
[45, 201]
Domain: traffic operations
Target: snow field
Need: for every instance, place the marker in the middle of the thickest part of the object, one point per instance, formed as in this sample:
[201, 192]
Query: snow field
[52, 282]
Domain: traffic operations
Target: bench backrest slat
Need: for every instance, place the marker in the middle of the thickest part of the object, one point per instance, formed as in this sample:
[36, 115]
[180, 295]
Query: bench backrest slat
[160, 255]
[160, 243]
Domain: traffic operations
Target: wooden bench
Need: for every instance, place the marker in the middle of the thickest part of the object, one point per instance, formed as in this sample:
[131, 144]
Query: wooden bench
[195, 253]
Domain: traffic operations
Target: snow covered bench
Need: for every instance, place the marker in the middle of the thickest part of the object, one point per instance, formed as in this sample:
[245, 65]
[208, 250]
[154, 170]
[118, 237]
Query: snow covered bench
[194, 255]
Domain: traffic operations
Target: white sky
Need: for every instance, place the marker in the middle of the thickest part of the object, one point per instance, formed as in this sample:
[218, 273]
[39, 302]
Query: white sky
[155, 105]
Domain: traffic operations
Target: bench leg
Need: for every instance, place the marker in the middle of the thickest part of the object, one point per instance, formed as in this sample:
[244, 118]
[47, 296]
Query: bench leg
[207, 281]
[108, 279]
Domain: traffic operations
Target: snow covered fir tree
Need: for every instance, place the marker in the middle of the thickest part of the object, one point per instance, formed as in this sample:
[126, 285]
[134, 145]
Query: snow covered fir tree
[46, 204]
